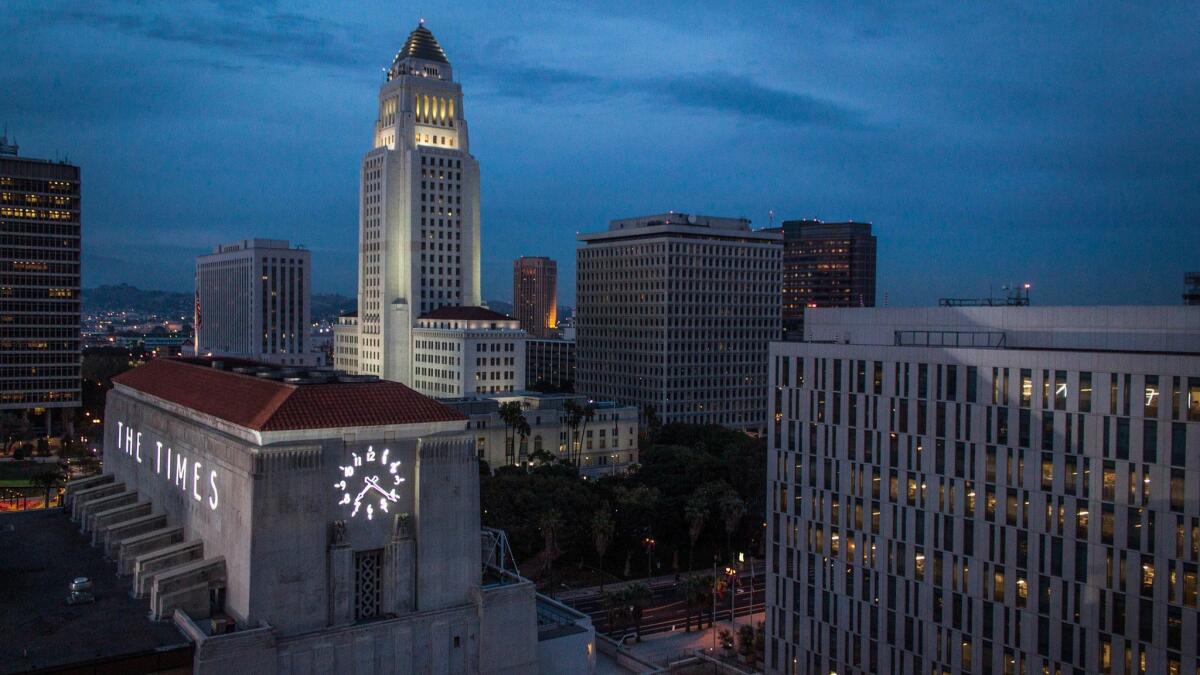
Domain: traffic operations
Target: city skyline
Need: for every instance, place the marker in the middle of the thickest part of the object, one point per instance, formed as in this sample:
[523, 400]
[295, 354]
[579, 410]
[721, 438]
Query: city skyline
[985, 139]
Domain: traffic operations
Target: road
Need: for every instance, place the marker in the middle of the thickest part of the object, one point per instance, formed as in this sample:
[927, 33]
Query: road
[667, 609]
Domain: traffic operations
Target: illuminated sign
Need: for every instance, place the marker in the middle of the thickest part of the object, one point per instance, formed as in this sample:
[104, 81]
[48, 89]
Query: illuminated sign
[189, 475]
[372, 478]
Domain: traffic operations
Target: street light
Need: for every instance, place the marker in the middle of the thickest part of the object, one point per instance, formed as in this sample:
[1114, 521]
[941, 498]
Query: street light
[649, 544]
[731, 573]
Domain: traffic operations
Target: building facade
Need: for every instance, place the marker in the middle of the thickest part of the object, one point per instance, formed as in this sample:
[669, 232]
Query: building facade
[253, 301]
[676, 311]
[39, 284]
[419, 209]
[535, 295]
[312, 523]
[1005, 490]
[1191, 288]
[550, 363]
[606, 444]
[467, 351]
[825, 265]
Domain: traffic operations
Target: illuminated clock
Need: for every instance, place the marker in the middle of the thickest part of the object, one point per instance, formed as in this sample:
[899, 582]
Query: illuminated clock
[369, 483]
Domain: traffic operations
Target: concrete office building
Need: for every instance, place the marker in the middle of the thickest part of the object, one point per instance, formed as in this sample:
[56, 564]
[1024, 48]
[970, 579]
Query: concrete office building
[465, 351]
[676, 311]
[535, 295]
[287, 524]
[1191, 288]
[550, 362]
[607, 444]
[253, 301]
[39, 284]
[418, 212]
[825, 265]
[1005, 490]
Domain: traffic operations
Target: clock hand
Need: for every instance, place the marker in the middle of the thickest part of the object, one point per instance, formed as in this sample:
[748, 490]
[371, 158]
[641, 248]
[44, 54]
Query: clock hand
[374, 484]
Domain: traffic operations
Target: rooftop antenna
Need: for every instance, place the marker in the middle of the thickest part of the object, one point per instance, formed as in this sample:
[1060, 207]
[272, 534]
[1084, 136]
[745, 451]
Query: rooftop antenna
[771, 218]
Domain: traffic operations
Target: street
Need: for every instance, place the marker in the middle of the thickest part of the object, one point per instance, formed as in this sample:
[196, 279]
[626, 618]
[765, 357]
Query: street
[667, 609]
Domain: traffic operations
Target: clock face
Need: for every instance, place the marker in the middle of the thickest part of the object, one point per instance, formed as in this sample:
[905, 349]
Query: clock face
[369, 484]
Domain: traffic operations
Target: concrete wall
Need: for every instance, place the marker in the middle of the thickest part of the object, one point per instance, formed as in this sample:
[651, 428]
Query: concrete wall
[508, 620]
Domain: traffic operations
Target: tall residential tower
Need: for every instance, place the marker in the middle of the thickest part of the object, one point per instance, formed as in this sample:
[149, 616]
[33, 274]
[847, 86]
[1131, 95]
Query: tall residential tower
[418, 213]
[39, 284]
[535, 295]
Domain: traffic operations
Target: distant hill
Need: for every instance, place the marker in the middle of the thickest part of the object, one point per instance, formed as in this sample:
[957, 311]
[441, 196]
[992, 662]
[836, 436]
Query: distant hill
[330, 306]
[500, 306]
[175, 304]
[126, 297]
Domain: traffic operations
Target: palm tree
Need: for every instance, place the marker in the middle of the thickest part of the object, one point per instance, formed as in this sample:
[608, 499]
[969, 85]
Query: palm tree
[614, 607]
[574, 414]
[586, 413]
[695, 592]
[514, 423]
[638, 596]
[47, 480]
[602, 534]
[732, 511]
[696, 513]
[548, 523]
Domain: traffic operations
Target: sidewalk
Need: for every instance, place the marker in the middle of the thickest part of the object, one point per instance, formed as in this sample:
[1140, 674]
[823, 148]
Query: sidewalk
[654, 582]
[663, 648]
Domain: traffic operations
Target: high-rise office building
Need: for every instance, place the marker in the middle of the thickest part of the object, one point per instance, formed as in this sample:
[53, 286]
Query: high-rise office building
[985, 489]
[39, 283]
[419, 209]
[253, 302]
[825, 265]
[535, 295]
[676, 311]
[1191, 288]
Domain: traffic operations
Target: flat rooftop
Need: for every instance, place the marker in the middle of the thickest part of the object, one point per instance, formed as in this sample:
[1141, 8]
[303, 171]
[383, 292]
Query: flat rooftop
[43, 553]
[1163, 329]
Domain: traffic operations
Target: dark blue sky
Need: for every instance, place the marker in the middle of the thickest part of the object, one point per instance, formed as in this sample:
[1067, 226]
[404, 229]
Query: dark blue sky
[987, 142]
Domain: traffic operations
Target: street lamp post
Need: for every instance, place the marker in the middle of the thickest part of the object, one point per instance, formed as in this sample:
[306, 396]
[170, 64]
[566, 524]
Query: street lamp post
[731, 574]
[649, 544]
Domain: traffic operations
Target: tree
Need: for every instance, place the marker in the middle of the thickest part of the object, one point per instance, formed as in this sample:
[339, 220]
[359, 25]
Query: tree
[548, 524]
[574, 415]
[696, 513]
[651, 423]
[615, 606]
[47, 480]
[695, 595]
[586, 413]
[638, 596]
[602, 534]
[732, 510]
[514, 423]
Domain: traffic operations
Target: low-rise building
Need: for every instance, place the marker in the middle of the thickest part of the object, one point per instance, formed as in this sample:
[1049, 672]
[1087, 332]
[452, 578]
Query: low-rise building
[286, 521]
[607, 443]
[467, 351]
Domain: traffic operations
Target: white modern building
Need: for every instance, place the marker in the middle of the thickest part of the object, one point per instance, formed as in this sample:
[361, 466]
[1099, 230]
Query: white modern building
[467, 351]
[419, 210]
[986, 489]
[253, 302]
[606, 443]
[676, 311]
[290, 523]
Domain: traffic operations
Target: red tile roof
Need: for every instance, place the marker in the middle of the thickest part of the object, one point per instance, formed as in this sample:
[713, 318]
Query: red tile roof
[270, 405]
[466, 314]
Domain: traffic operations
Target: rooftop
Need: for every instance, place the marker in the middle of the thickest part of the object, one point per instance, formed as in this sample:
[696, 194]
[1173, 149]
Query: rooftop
[43, 553]
[1170, 329]
[465, 314]
[687, 225]
[268, 398]
[422, 45]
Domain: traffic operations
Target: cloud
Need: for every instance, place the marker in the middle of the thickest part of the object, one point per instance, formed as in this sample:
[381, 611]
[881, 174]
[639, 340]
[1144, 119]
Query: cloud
[252, 32]
[736, 95]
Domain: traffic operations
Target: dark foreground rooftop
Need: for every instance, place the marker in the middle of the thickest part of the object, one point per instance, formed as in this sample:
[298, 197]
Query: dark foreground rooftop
[41, 552]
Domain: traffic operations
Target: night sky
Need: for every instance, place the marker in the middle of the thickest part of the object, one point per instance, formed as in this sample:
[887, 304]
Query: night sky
[987, 142]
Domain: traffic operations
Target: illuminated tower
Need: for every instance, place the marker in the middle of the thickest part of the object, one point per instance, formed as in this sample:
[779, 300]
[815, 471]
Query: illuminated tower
[418, 209]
